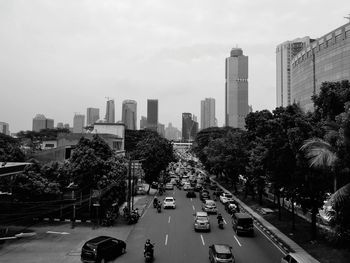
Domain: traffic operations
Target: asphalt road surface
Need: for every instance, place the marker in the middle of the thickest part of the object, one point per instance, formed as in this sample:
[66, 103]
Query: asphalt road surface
[176, 241]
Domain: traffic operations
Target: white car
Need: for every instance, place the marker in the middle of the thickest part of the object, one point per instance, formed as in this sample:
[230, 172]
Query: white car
[187, 186]
[169, 186]
[169, 202]
[225, 197]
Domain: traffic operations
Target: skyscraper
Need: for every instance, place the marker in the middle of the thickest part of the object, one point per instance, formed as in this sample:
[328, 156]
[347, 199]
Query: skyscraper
[284, 54]
[172, 133]
[152, 114]
[41, 122]
[110, 112]
[143, 123]
[78, 123]
[189, 127]
[60, 125]
[207, 113]
[161, 129]
[129, 114]
[4, 128]
[236, 90]
[92, 115]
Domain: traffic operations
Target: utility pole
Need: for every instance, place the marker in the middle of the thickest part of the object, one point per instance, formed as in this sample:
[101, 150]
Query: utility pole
[129, 186]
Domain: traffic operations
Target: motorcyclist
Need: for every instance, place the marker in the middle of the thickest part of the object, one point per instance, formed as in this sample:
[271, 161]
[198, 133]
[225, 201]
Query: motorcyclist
[148, 247]
[220, 218]
[155, 202]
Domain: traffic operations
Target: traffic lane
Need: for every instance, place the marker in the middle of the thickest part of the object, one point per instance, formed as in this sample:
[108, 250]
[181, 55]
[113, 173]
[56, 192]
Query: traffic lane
[246, 248]
[185, 245]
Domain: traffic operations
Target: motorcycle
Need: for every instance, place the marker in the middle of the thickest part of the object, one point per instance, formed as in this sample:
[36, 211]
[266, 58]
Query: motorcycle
[155, 203]
[221, 224]
[148, 255]
[133, 217]
[159, 208]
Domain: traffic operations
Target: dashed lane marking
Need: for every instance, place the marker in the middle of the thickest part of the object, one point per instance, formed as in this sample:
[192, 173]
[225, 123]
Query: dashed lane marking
[225, 222]
[202, 240]
[169, 219]
[191, 200]
[193, 207]
[237, 241]
[166, 239]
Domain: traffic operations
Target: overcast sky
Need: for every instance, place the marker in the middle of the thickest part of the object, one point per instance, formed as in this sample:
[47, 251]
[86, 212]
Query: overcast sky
[60, 57]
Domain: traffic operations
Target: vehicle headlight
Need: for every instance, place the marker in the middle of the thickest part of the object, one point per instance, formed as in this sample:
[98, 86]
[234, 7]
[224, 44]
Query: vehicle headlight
[239, 227]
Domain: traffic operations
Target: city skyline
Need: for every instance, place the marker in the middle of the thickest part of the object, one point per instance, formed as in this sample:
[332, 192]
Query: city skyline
[177, 48]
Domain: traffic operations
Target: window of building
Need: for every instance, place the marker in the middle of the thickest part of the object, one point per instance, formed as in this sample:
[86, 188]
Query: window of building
[347, 33]
[338, 38]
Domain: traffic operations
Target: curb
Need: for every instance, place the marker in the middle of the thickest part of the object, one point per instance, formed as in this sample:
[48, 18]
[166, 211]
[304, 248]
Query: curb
[273, 237]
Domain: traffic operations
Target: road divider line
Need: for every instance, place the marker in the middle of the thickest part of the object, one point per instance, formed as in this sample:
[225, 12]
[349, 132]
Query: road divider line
[169, 219]
[193, 207]
[225, 222]
[202, 240]
[237, 241]
[166, 239]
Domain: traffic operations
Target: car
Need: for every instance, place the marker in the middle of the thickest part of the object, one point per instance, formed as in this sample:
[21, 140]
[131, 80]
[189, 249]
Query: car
[169, 186]
[230, 203]
[242, 223]
[221, 253]
[102, 249]
[198, 188]
[154, 185]
[225, 197]
[204, 196]
[218, 191]
[169, 202]
[187, 186]
[232, 208]
[201, 221]
[209, 206]
[191, 194]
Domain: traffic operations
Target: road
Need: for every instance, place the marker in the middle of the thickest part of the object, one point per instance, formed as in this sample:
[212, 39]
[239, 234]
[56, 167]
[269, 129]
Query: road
[176, 241]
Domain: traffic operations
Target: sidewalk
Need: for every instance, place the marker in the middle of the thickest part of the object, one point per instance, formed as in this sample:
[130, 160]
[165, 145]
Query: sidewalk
[276, 236]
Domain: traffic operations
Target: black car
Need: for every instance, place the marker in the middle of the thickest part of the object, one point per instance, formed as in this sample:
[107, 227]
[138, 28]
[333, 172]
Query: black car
[229, 204]
[218, 192]
[191, 194]
[198, 188]
[102, 249]
[242, 223]
[154, 185]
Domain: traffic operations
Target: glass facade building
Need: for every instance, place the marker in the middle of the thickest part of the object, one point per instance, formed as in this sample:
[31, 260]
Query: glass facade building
[326, 59]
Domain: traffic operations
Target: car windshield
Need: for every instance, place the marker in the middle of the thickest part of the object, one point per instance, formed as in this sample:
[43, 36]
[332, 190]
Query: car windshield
[202, 218]
[223, 255]
[169, 200]
[228, 196]
[210, 203]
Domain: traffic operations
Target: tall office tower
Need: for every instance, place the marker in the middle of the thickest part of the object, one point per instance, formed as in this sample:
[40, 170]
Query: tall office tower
[78, 123]
[284, 54]
[60, 125]
[236, 90]
[41, 122]
[143, 123]
[172, 133]
[161, 129]
[207, 113]
[189, 127]
[92, 115]
[129, 114]
[152, 114]
[4, 128]
[66, 126]
[110, 112]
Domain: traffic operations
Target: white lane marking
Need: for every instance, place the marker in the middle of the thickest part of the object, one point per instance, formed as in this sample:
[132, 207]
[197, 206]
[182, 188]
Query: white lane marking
[237, 241]
[225, 222]
[54, 232]
[166, 239]
[144, 213]
[193, 207]
[174, 193]
[150, 204]
[191, 199]
[169, 219]
[202, 240]
[284, 253]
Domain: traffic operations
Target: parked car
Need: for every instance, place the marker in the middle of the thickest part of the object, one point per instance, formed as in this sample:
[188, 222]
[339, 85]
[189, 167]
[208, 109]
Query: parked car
[242, 223]
[102, 249]
[201, 221]
[221, 253]
[186, 186]
[209, 206]
[169, 186]
[191, 194]
[169, 202]
[225, 197]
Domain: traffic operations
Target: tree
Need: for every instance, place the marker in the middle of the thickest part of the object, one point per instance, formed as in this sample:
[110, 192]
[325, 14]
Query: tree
[10, 150]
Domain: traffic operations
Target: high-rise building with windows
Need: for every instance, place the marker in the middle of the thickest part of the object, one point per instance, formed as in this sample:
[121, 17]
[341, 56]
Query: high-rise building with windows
[60, 125]
[78, 123]
[110, 112]
[189, 127]
[4, 128]
[236, 90]
[172, 133]
[41, 122]
[284, 54]
[92, 115]
[129, 114]
[325, 59]
[161, 129]
[207, 113]
[152, 114]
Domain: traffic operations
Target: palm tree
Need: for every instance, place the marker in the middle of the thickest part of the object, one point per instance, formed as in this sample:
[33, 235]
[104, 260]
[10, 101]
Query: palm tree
[321, 155]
